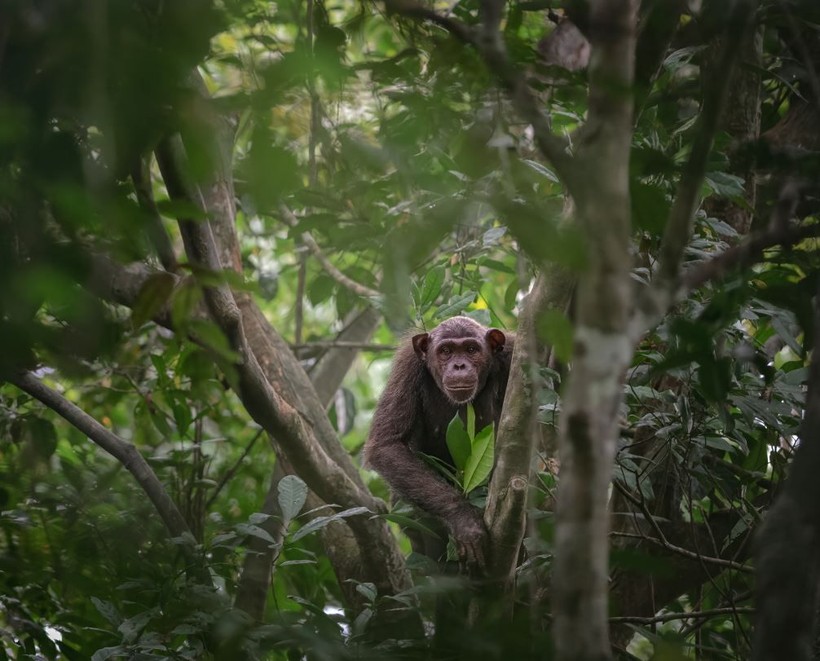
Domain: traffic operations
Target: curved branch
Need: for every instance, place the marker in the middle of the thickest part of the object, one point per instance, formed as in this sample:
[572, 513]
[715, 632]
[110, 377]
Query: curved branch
[124, 452]
[516, 438]
[305, 439]
[357, 288]
[490, 46]
[693, 615]
[679, 224]
[750, 251]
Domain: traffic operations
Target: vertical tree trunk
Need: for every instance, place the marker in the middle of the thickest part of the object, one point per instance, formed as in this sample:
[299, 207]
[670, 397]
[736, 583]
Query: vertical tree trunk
[602, 348]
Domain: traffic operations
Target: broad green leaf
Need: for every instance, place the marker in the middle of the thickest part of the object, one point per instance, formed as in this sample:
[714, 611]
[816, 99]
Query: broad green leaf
[456, 305]
[132, 627]
[715, 378]
[482, 316]
[292, 495]
[458, 442]
[321, 521]
[212, 337]
[540, 169]
[153, 295]
[184, 301]
[492, 236]
[368, 591]
[471, 422]
[409, 522]
[480, 463]
[43, 437]
[105, 653]
[255, 531]
[431, 287]
[724, 184]
[107, 610]
[556, 330]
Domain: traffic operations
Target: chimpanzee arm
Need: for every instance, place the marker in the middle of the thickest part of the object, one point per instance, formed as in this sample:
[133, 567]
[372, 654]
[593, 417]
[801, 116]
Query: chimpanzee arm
[398, 420]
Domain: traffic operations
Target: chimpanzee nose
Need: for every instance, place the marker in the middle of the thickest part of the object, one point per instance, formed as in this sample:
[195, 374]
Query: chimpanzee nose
[459, 365]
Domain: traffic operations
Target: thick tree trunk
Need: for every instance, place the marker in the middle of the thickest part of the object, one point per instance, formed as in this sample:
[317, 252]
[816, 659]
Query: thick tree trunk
[788, 555]
[602, 348]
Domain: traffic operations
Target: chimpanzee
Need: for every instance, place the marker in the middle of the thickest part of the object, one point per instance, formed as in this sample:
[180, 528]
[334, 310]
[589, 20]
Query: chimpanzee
[434, 376]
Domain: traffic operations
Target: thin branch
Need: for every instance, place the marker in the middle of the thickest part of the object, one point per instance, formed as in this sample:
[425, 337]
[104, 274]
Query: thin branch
[492, 51]
[141, 177]
[751, 250]
[124, 452]
[679, 225]
[411, 9]
[233, 469]
[665, 543]
[266, 406]
[357, 288]
[341, 344]
[671, 617]
[692, 555]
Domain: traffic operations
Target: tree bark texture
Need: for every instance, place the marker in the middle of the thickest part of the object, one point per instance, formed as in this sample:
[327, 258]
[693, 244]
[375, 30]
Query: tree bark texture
[602, 349]
[788, 545]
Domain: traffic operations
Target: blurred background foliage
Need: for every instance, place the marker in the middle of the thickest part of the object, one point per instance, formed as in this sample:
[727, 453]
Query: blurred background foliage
[385, 143]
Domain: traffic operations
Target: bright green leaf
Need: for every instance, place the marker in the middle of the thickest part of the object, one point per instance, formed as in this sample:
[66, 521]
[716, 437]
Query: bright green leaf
[292, 495]
[480, 463]
[458, 442]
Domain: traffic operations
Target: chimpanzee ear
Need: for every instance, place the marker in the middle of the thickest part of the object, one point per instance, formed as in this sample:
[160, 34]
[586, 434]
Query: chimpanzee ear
[420, 343]
[496, 339]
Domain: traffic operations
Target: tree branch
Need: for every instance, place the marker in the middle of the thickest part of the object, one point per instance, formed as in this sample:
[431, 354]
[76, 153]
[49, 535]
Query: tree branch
[321, 462]
[751, 250]
[516, 437]
[492, 50]
[124, 452]
[357, 288]
[671, 617]
[679, 224]
[141, 177]
[342, 344]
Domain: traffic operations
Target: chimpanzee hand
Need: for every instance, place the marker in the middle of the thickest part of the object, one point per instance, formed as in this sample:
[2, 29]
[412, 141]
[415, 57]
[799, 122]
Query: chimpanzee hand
[470, 536]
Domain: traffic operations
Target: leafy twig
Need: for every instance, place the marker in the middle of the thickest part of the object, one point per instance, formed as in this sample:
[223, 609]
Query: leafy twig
[357, 288]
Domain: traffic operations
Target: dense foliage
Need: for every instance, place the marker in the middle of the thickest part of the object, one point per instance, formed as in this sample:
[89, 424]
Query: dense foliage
[380, 176]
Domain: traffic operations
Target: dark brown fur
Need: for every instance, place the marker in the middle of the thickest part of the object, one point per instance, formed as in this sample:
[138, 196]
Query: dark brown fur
[416, 407]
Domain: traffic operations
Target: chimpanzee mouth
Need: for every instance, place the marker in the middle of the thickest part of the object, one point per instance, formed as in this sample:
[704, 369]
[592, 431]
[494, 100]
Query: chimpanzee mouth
[461, 395]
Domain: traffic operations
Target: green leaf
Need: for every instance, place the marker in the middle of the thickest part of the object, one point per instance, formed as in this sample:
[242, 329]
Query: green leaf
[321, 521]
[458, 442]
[723, 184]
[556, 330]
[431, 287]
[492, 236]
[105, 653]
[181, 209]
[456, 305]
[132, 627]
[184, 302]
[43, 437]
[471, 422]
[256, 531]
[211, 335]
[368, 591]
[480, 463]
[154, 294]
[292, 495]
[715, 378]
[482, 316]
[543, 171]
[107, 610]
[650, 207]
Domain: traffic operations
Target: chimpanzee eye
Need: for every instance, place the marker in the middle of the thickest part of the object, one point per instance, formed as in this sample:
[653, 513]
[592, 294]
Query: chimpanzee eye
[471, 349]
[446, 351]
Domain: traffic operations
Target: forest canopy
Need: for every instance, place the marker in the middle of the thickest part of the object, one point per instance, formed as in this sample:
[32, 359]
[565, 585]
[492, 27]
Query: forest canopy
[218, 220]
